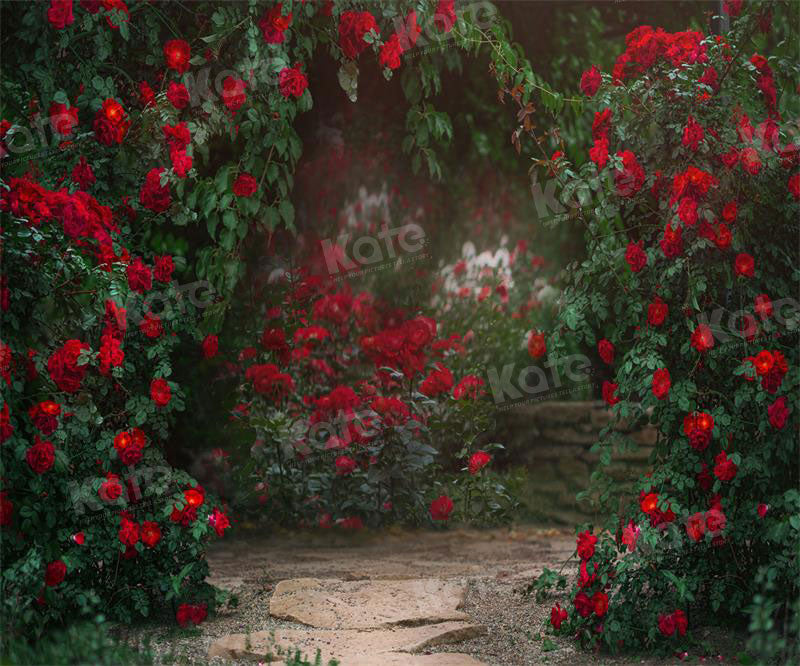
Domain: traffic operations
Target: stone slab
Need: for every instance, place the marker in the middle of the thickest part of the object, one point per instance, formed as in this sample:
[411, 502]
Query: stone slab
[367, 604]
[398, 646]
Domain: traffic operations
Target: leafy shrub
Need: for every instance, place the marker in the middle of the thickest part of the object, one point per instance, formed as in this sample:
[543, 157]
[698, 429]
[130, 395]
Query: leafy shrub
[80, 643]
[351, 402]
[93, 516]
[690, 204]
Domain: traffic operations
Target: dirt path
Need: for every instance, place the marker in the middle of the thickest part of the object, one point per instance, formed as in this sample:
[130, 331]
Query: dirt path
[495, 565]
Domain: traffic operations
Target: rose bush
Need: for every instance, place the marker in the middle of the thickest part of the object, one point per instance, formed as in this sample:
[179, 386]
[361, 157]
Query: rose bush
[89, 503]
[144, 142]
[363, 412]
[691, 223]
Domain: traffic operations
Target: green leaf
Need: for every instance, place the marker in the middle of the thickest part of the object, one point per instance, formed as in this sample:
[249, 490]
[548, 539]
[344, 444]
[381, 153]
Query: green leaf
[287, 213]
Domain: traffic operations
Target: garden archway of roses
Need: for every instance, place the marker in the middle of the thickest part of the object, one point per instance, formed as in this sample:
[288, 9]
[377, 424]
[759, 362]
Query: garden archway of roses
[126, 126]
[692, 183]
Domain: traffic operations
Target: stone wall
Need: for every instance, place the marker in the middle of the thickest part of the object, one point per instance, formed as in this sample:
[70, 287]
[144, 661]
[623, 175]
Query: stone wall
[551, 441]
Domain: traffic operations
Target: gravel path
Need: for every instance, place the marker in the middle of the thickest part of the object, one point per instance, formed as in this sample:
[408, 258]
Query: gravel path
[497, 564]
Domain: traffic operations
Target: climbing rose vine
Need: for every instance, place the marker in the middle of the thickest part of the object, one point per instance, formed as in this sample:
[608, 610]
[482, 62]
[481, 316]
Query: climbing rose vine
[688, 194]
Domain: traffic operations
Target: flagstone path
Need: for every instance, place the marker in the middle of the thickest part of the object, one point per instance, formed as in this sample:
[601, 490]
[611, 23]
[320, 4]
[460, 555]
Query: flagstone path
[390, 598]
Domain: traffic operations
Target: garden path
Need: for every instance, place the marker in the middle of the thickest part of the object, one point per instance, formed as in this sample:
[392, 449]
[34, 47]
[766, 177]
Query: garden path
[405, 598]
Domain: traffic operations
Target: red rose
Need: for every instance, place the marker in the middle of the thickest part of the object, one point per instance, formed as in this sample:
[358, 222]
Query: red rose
[390, 52]
[778, 413]
[657, 312]
[292, 81]
[55, 573]
[557, 616]
[750, 160]
[438, 381]
[693, 134]
[536, 345]
[469, 387]
[702, 338]
[273, 24]
[110, 489]
[163, 268]
[353, 523]
[178, 135]
[111, 353]
[345, 465]
[583, 604]
[59, 14]
[40, 456]
[151, 325]
[591, 81]
[687, 211]
[635, 256]
[763, 306]
[44, 416]
[661, 383]
[177, 95]
[606, 351]
[233, 93]
[219, 521]
[715, 520]
[696, 526]
[191, 614]
[181, 161]
[598, 153]
[609, 393]
[245, 185]
[724, 469]
[128, 451]
[194, 497]
[150, 533]
[111, 123]
[444, 17]
[744, 265]
[153, 195]
[600, 603]
[199, 613]
[160, 392]
[268, 380]
[210, 346]
[82, 174]
[140, 278]
[63, 366]
[666, 624]
[352, 28]
[62, 119]
[177, 55]
[478, 461]
[128, 532]
[585, 545]
[441, 508]
[681, 622]
[630, 178]
[698, 427]
[146, 95]
[730, 211]
[762, 510]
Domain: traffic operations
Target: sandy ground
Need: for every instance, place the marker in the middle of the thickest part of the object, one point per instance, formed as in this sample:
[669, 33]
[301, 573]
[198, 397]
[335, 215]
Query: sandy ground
[497, 564]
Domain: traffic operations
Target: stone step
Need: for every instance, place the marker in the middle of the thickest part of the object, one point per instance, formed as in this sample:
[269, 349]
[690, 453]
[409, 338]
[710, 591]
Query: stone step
[367, 604]
[361, 623]
[398, 646]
